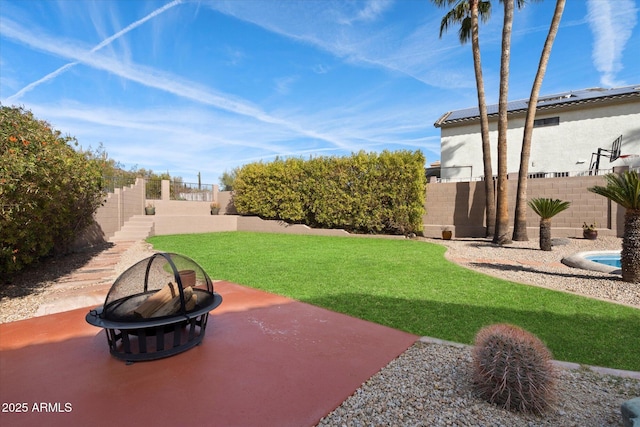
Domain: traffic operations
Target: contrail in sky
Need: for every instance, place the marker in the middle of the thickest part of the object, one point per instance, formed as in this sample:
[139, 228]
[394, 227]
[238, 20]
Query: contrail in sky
[612, 25]
[97, 47]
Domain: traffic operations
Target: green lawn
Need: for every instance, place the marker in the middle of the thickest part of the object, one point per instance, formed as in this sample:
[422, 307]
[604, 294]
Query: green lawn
[409, 285]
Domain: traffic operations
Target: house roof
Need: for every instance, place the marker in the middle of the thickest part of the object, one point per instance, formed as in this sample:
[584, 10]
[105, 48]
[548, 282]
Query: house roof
[544, 102]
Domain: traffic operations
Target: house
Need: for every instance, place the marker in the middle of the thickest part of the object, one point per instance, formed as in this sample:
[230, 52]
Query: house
[575, 133]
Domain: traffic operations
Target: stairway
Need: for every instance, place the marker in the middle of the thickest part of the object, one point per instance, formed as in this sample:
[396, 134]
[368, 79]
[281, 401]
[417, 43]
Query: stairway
[139, 227]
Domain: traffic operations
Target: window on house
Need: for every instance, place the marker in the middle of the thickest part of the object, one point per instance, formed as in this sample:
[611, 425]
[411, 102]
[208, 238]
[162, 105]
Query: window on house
[549, 121]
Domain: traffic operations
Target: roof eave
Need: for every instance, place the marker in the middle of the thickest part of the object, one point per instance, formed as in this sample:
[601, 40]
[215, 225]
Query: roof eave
[443, 122]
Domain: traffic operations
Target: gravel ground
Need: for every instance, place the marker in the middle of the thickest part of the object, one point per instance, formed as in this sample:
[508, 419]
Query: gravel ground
[429, 384]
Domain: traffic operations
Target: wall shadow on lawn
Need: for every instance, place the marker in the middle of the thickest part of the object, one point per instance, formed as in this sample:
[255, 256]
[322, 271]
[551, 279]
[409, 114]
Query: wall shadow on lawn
[583, 338]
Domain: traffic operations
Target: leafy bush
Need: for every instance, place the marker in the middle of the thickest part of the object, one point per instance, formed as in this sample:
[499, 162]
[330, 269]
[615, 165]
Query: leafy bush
[512, 368]
[367, 192]
[48, 190]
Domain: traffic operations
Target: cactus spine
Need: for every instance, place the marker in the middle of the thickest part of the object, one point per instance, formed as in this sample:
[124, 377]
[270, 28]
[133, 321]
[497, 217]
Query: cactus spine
[512, 368]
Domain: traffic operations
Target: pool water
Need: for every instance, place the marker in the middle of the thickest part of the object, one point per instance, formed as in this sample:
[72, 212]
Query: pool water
[612, 260]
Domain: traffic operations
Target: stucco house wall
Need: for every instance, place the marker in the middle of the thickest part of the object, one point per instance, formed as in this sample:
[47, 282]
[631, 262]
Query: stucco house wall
[565, 148]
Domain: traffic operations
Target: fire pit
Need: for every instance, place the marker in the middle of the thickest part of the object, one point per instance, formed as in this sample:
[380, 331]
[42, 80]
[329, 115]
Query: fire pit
[159, 307]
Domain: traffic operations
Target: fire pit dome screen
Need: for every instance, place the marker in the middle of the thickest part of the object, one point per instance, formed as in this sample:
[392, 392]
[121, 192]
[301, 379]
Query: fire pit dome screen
[156, 308]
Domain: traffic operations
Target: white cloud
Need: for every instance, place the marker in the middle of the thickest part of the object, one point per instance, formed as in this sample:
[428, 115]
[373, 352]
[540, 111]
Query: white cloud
[321, 69]
[283, 84]
[334, 27]
[107, 41]
[156, 79]
[612, 24]
[371, 11]
[221, 130]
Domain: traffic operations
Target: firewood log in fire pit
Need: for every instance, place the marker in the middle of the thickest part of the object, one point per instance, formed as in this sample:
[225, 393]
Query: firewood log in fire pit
[173, 306]
[157, 300]
[166, 302]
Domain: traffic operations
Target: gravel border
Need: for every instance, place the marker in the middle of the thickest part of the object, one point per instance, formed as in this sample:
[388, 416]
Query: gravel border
[429, 385]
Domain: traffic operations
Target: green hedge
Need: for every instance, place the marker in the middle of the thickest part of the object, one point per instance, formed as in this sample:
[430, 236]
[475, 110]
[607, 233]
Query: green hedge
[365, 193]
[48, 190]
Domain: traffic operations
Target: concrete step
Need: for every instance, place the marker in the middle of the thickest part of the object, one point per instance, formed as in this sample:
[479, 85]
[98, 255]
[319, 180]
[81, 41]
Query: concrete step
[139, 227]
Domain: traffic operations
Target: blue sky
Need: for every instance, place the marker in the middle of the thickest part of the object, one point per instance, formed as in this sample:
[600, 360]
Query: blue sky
[205, 86]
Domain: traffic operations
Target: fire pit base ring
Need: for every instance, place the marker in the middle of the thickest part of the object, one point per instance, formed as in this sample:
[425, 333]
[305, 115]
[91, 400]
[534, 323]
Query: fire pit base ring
[151, 340]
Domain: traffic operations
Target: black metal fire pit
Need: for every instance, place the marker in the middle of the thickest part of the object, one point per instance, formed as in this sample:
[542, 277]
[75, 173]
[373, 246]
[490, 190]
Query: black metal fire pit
[159, 307]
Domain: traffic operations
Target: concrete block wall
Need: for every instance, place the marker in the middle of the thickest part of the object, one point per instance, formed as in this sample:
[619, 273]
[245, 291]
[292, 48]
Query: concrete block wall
[252, 223]
[224, 198]
[120, 206]
[185, 224]
[181, 208]
[585, 206]
[461, 204]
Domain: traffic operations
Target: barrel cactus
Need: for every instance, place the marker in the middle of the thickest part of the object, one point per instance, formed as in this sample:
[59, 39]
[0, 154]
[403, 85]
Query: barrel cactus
[512, 368]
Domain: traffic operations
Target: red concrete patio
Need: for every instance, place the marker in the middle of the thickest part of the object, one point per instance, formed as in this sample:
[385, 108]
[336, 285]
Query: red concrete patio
[266, 360]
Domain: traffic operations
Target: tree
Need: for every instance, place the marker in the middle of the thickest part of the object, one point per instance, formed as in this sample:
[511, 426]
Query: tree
[466, 13]
[502, 207]
[547, 209]
[520, 218]
[227, 179]
[624, 189]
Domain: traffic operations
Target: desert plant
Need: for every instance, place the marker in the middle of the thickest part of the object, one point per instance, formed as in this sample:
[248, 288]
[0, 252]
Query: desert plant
[547, 209]
[624, 189]
[512, 368]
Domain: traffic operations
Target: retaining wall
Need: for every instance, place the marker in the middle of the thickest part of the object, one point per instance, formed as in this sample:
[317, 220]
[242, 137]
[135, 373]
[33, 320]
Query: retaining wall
[458, 205]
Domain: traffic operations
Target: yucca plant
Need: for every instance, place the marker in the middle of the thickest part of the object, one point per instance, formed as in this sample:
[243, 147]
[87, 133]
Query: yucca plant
[624, 189]
[547, 209]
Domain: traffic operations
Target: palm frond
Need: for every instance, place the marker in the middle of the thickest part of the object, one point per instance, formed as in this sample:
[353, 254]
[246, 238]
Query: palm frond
[548, 208]
[484, 10]
[623, 189]
[460, 13]
[464, 33]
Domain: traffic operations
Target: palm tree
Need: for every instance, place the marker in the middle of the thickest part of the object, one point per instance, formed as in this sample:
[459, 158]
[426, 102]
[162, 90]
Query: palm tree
[502, 205]
[624, 189]
[520, 218]
[547, 209]
[466, 13]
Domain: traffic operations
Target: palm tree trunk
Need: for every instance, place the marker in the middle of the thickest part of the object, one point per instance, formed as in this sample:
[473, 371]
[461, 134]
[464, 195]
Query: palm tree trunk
[502, 208]
[520, 218]
[490, 205]
[545, 234]
[630, 256]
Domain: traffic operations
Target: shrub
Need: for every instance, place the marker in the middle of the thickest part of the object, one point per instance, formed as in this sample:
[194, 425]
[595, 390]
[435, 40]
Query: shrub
[367, 192]
[48, 190]
[512, 368]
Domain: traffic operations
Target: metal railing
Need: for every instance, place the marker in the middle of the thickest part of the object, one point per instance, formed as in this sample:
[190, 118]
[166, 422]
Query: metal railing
[537, 175]
[191, 192]
[179, 190]
[153, 189]
[110, 183]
